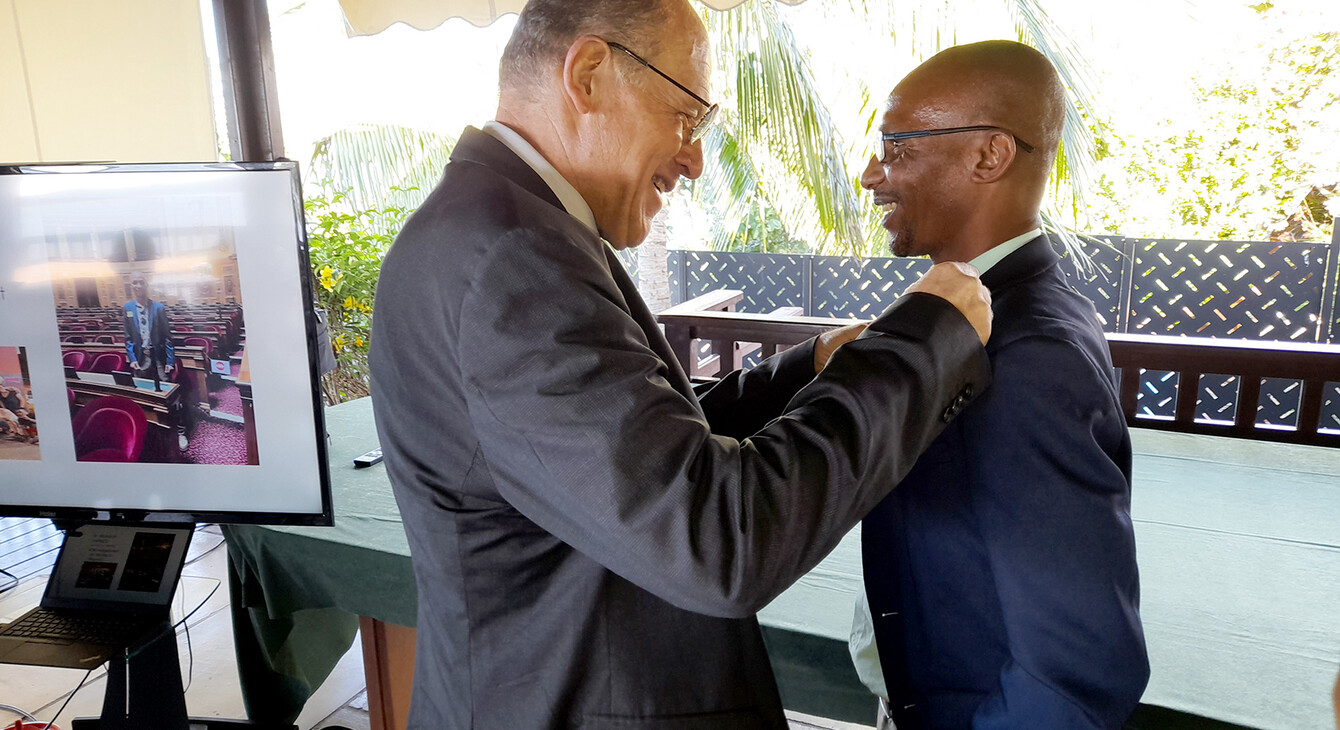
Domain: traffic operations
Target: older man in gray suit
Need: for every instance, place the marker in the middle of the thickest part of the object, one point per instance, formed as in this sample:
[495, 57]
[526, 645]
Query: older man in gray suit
[590, 537]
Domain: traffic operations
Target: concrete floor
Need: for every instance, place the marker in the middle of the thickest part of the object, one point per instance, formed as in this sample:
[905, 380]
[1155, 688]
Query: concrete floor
[209, 668]
[208, 663]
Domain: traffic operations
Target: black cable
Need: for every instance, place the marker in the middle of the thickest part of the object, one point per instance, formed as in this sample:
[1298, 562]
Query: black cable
[72, 694]
[212, 548]
[13, 580]
[173, 628]
[199, 529]
[190, 658]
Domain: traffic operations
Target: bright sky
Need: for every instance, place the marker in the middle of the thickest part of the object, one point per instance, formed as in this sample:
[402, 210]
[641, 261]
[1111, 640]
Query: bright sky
[1144, 53]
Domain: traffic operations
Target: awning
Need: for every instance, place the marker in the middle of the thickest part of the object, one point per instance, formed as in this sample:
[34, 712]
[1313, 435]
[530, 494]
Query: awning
[370, 17]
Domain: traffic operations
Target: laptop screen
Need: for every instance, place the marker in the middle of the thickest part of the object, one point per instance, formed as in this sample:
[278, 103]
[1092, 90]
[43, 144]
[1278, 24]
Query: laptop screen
[118, 567]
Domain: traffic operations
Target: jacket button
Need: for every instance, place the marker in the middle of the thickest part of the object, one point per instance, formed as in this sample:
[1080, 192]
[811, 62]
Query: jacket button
[948, 414]
[967, 390]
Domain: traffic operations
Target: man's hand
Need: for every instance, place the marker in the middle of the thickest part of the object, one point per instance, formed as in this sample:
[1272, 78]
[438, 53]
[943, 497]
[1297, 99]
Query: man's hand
[832, 340]
[958, 284]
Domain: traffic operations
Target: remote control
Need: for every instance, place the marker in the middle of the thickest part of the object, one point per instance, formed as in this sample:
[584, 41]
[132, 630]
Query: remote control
[368, 459]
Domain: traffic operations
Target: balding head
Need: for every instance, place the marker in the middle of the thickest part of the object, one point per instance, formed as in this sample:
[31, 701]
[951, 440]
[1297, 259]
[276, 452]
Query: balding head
[953, 195]
[609, 93]
[546, 29]
[1001, 83]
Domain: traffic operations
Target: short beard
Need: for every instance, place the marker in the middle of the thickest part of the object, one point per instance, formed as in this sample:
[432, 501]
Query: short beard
[902, 244]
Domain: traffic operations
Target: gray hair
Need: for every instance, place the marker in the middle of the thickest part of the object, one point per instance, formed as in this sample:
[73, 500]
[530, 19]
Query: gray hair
[546, 29]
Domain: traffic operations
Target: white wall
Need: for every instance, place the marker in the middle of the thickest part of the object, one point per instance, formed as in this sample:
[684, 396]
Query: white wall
[116, 80]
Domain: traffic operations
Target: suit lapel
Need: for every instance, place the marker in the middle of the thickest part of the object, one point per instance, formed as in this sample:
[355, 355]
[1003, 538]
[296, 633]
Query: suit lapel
[484, 149]
[646, 321]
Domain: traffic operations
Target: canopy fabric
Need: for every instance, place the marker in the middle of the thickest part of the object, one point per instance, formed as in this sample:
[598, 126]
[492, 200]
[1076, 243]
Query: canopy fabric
[370, 17]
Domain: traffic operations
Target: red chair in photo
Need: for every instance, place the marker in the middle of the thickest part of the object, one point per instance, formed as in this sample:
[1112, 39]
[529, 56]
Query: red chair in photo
[72, 340]
[75, 359]
[108, 362]
[110, 428]
[201, 342]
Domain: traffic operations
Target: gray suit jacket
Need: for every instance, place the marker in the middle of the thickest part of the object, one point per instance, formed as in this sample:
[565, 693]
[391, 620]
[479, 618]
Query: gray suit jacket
[590, 538]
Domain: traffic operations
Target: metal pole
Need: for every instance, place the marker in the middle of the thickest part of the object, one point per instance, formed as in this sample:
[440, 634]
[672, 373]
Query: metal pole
[250, 93]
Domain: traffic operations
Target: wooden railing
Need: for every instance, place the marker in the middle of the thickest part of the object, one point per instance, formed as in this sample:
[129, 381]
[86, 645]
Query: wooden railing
[1314, 365]
[1250, 362]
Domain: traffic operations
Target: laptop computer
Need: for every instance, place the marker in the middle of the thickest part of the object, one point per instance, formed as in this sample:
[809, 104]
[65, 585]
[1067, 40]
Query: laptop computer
[111, 588]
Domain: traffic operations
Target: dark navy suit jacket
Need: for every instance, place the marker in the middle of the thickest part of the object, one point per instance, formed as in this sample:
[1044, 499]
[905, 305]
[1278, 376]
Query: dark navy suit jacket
[1001, 572]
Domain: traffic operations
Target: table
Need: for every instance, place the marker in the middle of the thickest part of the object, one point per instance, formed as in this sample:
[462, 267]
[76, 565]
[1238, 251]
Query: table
[1238, 544]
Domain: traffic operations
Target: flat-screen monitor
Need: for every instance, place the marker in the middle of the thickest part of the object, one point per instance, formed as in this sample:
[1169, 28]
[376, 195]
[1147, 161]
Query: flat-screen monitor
[158, 345]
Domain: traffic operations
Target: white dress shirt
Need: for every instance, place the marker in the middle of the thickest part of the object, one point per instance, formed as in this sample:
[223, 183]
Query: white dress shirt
[572, 201]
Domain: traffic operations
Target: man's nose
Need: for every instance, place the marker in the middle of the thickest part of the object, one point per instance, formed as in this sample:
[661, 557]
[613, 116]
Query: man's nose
[690, 159]
[873, 174]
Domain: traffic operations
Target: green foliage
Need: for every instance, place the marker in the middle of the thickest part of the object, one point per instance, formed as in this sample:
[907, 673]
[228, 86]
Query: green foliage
[1260, 162]
[382, 165]
[346, 248]
[777, 146]
[372, 177]
[762, 232]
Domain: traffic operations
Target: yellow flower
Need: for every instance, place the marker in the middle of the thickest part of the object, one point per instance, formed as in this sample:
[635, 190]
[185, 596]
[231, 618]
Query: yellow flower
[339, 342]
[350, 303]
[358, 341]
[326, 271]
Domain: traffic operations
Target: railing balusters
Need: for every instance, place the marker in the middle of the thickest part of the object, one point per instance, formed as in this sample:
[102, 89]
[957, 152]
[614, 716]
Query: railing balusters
[1312, 364]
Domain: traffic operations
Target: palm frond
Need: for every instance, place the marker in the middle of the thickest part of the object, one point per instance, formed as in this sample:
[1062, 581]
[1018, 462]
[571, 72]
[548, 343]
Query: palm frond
[729, 185]
[784, 127]
[1075, 160]
[381, 165]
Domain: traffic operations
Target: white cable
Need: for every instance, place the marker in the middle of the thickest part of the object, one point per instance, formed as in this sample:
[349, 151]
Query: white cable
[17, 711]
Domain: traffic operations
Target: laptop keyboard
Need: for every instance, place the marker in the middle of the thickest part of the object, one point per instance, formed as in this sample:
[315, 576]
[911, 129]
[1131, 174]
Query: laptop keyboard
[92, 629]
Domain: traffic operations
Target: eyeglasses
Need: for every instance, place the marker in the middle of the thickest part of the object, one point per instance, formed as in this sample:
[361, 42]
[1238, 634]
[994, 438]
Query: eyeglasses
[880, 149]
[703, 124]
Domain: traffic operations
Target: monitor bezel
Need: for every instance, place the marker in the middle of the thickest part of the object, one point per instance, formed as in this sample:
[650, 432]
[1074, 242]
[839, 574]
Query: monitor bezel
[151, 516]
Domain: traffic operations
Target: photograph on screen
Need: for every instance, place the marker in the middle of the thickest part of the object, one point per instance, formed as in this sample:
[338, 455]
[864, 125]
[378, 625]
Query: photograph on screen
[18, 412]
[147, 562]
[153, 340]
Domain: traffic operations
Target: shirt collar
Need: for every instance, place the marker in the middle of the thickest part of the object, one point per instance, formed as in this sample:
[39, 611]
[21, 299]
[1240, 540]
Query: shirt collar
[572, 201]
[996, 254]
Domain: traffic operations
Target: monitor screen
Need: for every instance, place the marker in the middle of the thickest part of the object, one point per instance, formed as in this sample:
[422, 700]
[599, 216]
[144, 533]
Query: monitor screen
[158, 345]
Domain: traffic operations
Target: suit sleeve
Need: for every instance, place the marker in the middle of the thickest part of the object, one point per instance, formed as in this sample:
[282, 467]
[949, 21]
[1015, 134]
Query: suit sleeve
[745, 401]
[169, 355]
[585, 436]
[127, 320]
[1051, 492]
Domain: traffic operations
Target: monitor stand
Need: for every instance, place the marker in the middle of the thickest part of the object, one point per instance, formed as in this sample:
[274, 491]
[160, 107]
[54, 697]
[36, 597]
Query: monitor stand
[144, 692]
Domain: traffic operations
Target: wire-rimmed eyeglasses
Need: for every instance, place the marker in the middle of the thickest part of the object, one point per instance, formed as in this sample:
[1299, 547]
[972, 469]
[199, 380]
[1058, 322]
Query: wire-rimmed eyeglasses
[879, 140]
[703, 124]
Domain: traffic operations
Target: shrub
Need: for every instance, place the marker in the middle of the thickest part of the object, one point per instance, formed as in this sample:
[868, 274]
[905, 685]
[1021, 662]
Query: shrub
[346, 248]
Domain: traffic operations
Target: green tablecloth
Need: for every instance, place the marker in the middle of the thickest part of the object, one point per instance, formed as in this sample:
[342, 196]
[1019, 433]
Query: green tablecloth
[1238, 542]
[297, 592]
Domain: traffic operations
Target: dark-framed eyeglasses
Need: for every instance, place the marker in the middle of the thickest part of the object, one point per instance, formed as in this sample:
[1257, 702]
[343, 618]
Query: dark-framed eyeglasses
[703, 124]
[879, 140]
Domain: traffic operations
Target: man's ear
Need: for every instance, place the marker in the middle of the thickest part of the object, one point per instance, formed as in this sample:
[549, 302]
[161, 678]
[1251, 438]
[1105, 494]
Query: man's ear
[585, 70]
[994, 158]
